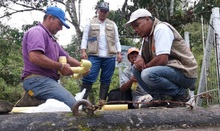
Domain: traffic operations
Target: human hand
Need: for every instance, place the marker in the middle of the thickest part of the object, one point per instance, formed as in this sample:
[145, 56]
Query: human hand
[84, 55]
[66, 70]
[139, 64]
[86, 73]
[133, 79]
[119, 57]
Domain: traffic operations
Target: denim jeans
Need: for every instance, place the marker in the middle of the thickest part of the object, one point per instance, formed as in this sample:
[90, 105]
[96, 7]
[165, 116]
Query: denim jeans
[163, 81]
[107, 66]
[48, 88]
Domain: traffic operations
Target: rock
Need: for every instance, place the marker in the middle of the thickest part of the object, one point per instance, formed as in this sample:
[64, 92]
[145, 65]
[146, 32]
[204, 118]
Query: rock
[27, 100]
[5, 107]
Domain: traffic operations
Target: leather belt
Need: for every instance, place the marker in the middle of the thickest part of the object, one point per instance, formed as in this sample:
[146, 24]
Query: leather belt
[32, 75]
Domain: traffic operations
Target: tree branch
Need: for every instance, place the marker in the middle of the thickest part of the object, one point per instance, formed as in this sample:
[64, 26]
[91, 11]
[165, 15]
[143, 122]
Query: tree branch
[18, 11]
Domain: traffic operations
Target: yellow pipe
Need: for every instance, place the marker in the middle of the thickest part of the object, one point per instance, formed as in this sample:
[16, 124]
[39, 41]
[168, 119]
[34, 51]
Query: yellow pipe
[115, 107]
[86, 64]
[78, 71]
[62, 59]
[77, 76]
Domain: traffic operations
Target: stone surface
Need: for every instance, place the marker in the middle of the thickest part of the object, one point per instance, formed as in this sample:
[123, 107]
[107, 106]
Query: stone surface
[132, 119]
[27, 100]
[5, 106]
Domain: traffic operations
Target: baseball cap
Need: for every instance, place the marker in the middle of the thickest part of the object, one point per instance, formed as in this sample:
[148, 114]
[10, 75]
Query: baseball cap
[132, 49]
[59, 13]
[138, 14]
[103, 6]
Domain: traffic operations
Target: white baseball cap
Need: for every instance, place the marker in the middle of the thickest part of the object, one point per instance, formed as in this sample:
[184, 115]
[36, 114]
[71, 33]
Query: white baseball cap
[137, 14]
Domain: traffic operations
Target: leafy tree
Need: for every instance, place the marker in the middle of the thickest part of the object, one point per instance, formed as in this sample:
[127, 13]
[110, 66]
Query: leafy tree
[196, 42]
[10, 62]
[204, 8]
[74, 49]
[39, 5]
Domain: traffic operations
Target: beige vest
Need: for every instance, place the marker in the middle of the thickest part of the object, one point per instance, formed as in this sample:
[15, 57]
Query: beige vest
[180, 56]
[94, 34]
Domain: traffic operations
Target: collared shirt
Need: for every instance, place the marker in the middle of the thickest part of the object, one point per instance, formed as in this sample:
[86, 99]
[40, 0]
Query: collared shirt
[39, 38]
[103, 48]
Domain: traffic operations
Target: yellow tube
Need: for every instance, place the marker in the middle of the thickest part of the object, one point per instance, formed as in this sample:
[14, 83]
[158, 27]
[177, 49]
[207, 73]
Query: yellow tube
[134, 86]
[86, 64]
[77, 76]
[77, 69]
[115, 107]
[62, 59]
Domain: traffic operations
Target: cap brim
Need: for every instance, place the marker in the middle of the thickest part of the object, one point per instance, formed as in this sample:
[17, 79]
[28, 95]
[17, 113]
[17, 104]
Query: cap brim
[103, 9]
[129, 22]
[65, 24]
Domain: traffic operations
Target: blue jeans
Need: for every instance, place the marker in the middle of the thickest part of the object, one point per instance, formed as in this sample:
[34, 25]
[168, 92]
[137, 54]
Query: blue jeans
[163, 81]
[47, 88]
[107, 66]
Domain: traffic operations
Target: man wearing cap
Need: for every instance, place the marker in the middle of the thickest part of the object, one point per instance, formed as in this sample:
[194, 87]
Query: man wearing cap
[165, 65]
[100, 44]
[41, 53]
[128, 80]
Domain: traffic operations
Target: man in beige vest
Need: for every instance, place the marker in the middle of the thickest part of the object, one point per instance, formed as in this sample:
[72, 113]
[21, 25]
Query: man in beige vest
[165, 65]
[100, 44]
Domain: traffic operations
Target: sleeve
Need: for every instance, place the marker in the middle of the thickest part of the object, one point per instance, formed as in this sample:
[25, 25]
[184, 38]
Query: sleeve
[124, 77]
[117, 42]
[141, 47]
[164, 37]
[85, 35]
[36, 40]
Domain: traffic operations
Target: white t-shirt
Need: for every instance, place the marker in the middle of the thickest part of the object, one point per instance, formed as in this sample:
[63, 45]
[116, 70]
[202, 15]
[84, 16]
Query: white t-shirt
[163, 37]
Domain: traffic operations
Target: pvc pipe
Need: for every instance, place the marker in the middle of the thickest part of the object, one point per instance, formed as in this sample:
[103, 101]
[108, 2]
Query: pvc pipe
[115, 107]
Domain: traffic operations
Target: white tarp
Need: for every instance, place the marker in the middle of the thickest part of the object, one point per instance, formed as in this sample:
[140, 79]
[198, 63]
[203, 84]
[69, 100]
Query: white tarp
[51, 105]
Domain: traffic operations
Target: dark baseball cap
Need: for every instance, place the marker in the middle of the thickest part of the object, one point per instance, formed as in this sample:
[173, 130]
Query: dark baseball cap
[104, 6]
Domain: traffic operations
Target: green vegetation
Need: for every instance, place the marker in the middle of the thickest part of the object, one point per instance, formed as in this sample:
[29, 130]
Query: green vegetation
[10, 63]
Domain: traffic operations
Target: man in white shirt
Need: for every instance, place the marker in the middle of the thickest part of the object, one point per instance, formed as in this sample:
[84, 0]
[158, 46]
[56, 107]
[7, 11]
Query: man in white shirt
[165, 66]
[100, 44]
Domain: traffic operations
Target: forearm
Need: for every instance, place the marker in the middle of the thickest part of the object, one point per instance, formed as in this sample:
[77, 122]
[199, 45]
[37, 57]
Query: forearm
[160, 60]
[41, 60]
[73, 62]
[124, 87]
[83, 50]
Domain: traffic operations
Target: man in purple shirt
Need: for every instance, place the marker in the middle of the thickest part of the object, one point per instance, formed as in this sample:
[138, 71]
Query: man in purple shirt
[41, 54]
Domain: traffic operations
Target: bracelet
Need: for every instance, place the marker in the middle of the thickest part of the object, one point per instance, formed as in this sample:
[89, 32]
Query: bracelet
[62, 66]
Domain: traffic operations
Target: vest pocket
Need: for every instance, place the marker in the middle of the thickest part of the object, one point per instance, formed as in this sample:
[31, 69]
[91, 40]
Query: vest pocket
[110, 32]
[94, 30]
[92, 45]
[112, 47]
[111, 44]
